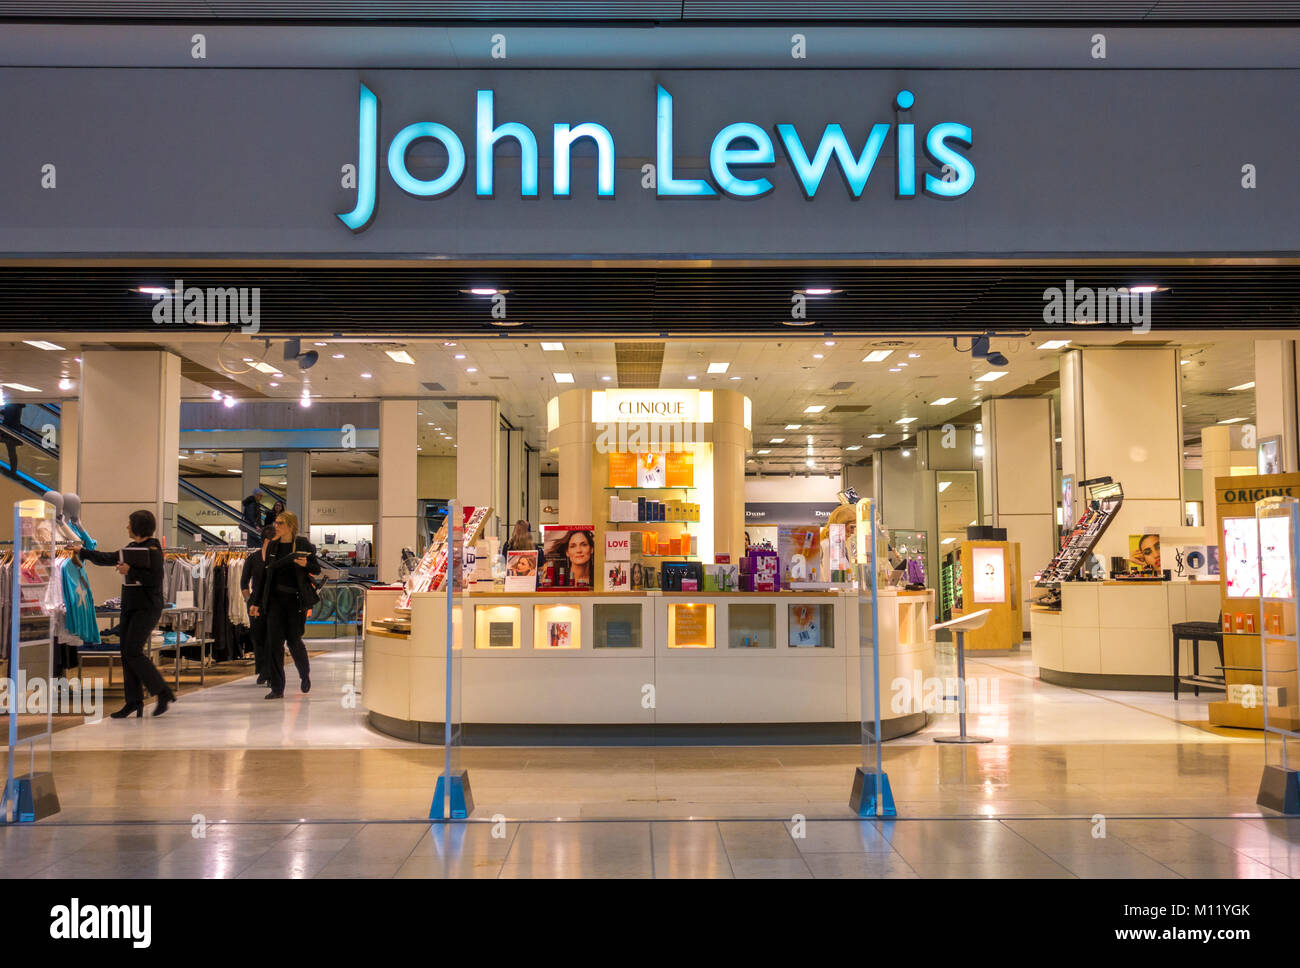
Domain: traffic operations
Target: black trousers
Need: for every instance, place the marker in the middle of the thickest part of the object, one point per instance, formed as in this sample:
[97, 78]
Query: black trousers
[257, 632]
[137, 669]
[286, 620]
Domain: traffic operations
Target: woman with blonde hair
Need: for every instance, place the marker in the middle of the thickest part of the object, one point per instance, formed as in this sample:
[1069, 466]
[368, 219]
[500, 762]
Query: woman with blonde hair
[283, 596]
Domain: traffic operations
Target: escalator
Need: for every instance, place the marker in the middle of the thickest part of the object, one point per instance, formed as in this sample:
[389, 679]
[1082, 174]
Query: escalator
[29, 456]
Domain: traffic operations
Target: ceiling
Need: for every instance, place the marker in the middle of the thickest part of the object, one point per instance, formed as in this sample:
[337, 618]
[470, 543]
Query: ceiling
[781, 376]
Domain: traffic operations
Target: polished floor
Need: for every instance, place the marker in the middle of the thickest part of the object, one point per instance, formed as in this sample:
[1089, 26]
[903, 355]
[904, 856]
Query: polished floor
[304, 788]
[1164, 849]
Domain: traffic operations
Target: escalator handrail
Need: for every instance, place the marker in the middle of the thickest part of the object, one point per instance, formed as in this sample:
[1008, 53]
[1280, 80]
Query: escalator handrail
[212, 502]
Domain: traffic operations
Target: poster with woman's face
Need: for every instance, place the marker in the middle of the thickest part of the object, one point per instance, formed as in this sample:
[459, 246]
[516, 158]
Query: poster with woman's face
[1144, 552]
[575, 547]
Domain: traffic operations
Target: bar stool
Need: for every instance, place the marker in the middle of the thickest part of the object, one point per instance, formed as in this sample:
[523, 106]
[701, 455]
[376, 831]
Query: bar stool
[960, 626]
[1196, 633]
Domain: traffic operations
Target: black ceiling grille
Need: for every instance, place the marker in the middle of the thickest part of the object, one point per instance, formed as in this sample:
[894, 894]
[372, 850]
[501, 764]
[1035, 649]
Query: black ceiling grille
[648, 305]
[652, 10]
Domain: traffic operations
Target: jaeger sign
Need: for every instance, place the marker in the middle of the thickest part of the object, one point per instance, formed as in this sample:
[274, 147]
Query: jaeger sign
[737, 155]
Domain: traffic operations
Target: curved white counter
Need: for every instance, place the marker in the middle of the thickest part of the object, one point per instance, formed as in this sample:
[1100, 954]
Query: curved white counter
[637, 665]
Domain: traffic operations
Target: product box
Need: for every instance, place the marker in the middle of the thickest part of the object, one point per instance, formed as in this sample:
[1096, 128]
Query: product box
[721, 578]
[651, 470]
[1250, 623]
[799, 547]
[1253, 696]
[640, 509]
[760, 571]
[1239, 621]
[1227, 621]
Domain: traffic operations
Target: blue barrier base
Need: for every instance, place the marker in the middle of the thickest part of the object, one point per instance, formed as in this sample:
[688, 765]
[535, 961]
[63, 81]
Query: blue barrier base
[462, 800]
[865, 790]
[1279, 790]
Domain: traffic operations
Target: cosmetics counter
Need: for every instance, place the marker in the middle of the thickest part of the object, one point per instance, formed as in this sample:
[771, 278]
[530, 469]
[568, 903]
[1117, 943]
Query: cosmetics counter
[606, 660]
[1118, 634]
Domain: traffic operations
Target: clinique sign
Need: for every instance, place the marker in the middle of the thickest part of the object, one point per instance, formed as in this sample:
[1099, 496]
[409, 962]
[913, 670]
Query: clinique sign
[736, 156]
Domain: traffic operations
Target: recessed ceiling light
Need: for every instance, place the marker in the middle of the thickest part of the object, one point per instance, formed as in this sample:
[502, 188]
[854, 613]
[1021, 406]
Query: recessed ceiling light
[563, 377]
[448, 343]
[1054, 344]
[829, 342]
[1183, 362]
[761, 452]
[273, 384]
[875, 356]
[1230, 420]
[1143, 288]
[153, 290]
[691, 377]
[905, 420]
[460, 356]
[907, 453]
[777, 440]
[942, 401]
[853, 447]
[874, 436]
[818, 291]
[322, 344]
[793, 426]
[819, 356]
[944, 485]
[913, 356]
[65, 384]
[734, 378]
[400, 356]
[266, 368]
[229, 401]
[473, 369]
[235, 470]
[815, 408]
[216, 394]
[338, 356]
[718, 367]
[990, 376]
[43, 344]
[484, 291]
[894, 369]
[552, 347]
[606, 379]
[366, 376]
[1243, 386]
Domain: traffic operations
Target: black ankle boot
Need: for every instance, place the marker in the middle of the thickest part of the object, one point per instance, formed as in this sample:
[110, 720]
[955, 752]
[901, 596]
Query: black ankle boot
[128, 709]
[274, 695]
[165, 700]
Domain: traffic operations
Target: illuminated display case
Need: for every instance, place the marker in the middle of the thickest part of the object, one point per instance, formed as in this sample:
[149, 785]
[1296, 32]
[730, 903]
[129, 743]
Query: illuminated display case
[497, 626]
[1278, 693]
[557, 627]
[691, 626]
[616, 625]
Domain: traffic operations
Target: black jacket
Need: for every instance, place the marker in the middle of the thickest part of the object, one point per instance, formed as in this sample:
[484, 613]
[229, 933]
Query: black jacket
[143, 584]
[279, 556]
[251, 574]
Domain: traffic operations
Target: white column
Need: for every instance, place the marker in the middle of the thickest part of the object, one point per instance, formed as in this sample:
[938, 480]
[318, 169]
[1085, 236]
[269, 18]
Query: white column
[573, 440]
[533, 510]
[732, 440]
[1121, 418]
[1020, 478]
[129, 444]
[1275, 397]
[478, 458]
[516, 480]
[1222, 451]
[69, 418]
[297, 493]
[398, 484]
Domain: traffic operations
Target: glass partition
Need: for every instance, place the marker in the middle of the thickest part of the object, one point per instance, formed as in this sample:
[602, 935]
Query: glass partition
[871, 796]
[1278, 520]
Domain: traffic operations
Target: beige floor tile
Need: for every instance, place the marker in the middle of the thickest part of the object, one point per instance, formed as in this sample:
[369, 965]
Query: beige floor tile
[852, 865]
[1111, 866]
[770, 867]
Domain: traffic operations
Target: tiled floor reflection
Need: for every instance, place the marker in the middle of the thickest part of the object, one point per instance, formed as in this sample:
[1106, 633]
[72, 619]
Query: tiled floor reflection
[1074, 848]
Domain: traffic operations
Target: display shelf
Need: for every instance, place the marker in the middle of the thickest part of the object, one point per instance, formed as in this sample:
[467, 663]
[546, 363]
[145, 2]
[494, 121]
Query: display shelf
[607, 523]
[665, 487]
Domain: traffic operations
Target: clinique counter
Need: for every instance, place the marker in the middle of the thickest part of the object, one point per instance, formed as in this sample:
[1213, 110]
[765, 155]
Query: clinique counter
[685, 667]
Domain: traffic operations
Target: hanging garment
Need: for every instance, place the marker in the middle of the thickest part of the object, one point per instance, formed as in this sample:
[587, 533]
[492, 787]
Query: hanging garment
[79, 604]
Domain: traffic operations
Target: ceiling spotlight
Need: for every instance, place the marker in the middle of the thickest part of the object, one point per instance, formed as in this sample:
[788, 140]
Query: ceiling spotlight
[691, 377]
[829, 342]
[153, 290]
[907, 453]
[366, 376]
[216, 394]
[293, 351]
[304, 401]
[483, 291]
[338, 356]
[65, 384]
[229, 401]
[606, 379]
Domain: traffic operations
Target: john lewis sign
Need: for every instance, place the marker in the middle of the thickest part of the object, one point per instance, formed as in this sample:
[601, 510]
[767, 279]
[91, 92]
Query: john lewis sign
[738, 154]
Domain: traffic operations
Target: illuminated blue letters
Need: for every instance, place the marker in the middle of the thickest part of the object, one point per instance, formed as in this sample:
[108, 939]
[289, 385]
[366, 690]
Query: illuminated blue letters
[722, 156]
[666, 184]
[486, 140]
[856, 170]
[937, 148]
[564, 139]
[367, 149]
[735, 147]
[445, 182]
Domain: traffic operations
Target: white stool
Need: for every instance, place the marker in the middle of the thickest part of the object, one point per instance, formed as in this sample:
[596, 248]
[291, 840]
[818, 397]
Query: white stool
[960, 625]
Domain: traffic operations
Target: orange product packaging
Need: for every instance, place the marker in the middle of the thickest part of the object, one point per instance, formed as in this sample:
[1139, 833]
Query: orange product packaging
[681, 469]
[622, 469]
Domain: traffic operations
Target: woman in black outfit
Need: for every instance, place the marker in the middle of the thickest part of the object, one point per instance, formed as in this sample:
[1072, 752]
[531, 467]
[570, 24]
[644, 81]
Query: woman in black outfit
[141, 564]
[254, 565]
[283, 594]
